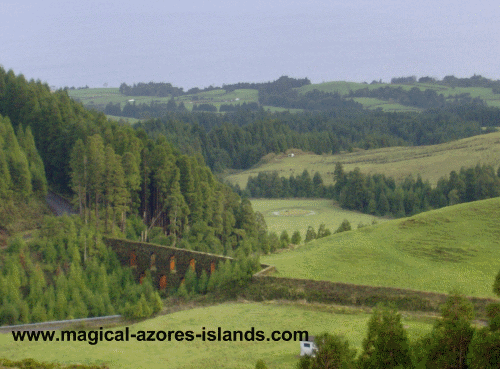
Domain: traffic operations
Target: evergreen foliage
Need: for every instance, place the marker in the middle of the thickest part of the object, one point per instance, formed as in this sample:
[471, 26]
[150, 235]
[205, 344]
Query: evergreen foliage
[65, 284]
[386, 345]
[333, 352]
[447, 345]
[380, 195]
[344, 226]
[241, 138]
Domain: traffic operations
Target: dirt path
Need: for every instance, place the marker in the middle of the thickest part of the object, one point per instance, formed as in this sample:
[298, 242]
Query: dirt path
[59, 205]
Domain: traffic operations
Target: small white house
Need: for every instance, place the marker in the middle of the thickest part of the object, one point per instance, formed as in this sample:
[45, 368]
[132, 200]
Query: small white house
[308, 347]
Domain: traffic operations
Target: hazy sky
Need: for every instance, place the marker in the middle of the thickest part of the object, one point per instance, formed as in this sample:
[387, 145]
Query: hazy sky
[198, 43]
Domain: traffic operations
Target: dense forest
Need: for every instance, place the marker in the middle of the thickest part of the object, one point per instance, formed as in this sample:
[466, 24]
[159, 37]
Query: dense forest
[239, 140]
[124, 184]
[117, 172]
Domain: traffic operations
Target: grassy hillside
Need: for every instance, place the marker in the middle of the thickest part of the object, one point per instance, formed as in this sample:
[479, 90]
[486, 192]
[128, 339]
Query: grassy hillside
[456, 247]
[210, 355]
[297, 214]
[432, 162]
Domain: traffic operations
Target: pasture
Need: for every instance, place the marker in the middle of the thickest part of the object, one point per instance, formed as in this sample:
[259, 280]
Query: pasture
[431, 162]
[343, 88]
[297, 214]
[267, 317]
[456, 247]
[99, 97]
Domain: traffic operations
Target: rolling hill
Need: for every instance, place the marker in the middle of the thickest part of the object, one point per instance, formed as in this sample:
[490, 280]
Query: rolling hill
[99, 97]
[456, 247]
[431, 162]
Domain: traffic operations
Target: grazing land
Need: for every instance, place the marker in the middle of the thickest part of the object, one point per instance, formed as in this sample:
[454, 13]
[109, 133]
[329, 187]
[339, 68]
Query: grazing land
[297, 214]
[343, 88]
[456, 247]
[99, 97]
[267, 317]
[431, 162]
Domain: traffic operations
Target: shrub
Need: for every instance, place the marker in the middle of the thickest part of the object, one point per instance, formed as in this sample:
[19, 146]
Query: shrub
[296, 238]
[344, 226]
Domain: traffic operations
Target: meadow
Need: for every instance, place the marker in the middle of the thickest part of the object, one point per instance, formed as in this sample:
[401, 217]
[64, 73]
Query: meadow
[297, 214]
[431, 162]
[452, 248]
[268, 317]
[101, 96]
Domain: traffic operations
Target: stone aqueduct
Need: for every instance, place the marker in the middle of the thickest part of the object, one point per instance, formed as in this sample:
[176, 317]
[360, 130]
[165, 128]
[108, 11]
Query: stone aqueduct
[166, 265]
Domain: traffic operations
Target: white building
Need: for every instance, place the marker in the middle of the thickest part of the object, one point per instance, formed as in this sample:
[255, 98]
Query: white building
[308, 347]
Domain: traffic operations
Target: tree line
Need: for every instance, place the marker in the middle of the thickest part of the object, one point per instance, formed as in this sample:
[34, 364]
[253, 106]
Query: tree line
[158, 109]
[240, 139]
[377, 194]
[450, 80]
[150, 89]
[162, 89]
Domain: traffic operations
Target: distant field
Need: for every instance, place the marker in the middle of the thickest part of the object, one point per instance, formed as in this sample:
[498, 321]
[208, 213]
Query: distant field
[102, 96]
[267, 317]
[125, 119]
[456, 247]
[432, 162]
[297, 214]
[344, 88]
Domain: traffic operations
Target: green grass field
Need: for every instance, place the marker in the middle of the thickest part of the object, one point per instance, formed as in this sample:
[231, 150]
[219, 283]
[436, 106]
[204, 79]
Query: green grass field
[344, 88]
[267, 317]
[297, 214]
[431, 162]
[101, 96]
[456, 247]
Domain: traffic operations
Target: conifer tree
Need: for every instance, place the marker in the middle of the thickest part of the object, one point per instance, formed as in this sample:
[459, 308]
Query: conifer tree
[79, 183]
[96, 172]
[386, 344]
[116, 194]
[16, 160]
[37, 169]
[310, 234]
[296, 238]
[448, 343]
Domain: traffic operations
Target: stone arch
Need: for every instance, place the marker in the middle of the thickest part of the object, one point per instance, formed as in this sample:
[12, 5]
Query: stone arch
[172, 264]
[153, 261]
[162, 284]
[133, 259]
